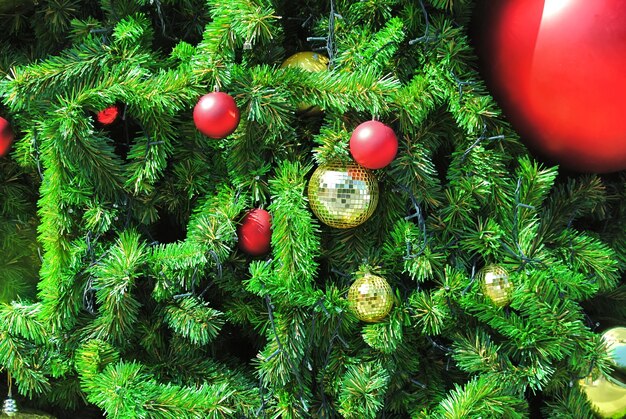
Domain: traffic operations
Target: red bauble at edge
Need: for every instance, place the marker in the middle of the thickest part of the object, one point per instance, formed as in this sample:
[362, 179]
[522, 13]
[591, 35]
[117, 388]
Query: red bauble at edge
[373, 145]
[557, 68]
[6, 136]
[255, 232]
[216, 115]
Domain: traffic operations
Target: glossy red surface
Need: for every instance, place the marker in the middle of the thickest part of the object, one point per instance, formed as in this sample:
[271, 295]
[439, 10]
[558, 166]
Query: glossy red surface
[558, 70]
[255, 232]
[216, 115]
[6, 136]
[373, 145]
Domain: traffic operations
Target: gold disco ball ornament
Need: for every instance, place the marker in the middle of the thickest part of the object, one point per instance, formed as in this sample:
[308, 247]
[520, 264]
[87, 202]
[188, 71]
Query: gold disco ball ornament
[343, 195]
[496, 285]
[308, 61]
[370, 298]
[607, 398]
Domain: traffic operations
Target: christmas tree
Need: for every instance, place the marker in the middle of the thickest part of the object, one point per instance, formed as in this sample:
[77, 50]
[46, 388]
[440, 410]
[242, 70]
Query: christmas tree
[151, 271]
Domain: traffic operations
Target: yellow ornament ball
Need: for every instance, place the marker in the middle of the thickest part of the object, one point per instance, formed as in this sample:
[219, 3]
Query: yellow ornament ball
[608, 394]
[343, 195]
[370, 298]
[308, 61]
[496, 285]
[615, 339]
[607, 398]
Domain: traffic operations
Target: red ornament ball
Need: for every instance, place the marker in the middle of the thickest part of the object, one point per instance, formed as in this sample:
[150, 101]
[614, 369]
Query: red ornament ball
[108, 116]
[216, 115]
[556, 67]
[6, 136]
[255, 232]
[373, 145]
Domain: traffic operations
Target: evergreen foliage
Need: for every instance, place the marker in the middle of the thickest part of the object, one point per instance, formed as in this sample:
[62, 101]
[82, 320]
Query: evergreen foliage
[122, 285]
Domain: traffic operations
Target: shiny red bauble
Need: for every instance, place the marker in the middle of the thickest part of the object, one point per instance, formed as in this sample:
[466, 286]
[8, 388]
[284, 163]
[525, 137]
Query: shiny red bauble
[6, 136]
[255, 232]
[216, 115]
[557, 68]
[373, 145]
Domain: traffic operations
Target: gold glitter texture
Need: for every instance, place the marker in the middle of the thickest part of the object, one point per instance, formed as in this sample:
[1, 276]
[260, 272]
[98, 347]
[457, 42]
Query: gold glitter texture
[495, 283]
[370, 298]
[343, 195]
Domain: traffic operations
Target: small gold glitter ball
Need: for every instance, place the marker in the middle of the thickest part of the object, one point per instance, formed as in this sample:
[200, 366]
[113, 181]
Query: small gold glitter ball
[343, 195]
[308, 61]
[9, 407]
[370, 298]
[495, 283]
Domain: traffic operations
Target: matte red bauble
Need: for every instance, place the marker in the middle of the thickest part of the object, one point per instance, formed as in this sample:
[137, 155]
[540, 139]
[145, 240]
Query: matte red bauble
[373, 145]
[255, 232]
[216, 115]
[558, 70]
[108, 116]
[6, 136]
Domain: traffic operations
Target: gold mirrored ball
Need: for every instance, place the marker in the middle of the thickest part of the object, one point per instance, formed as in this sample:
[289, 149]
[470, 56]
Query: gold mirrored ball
[370, 298]
[496, 284]
[343, 195]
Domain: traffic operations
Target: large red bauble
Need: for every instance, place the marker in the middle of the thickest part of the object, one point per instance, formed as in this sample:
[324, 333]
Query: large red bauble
[558, 70]
[255, 232]
[373, 145]
[216, 115]
[6, 136]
